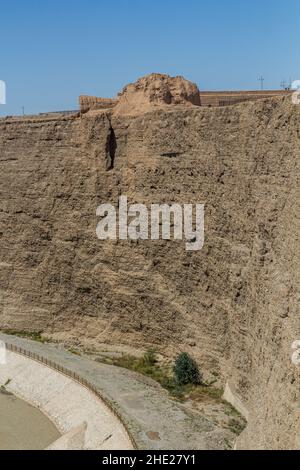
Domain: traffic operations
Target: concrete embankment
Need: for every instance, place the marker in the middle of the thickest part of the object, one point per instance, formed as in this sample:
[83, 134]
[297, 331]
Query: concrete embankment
[83, 419]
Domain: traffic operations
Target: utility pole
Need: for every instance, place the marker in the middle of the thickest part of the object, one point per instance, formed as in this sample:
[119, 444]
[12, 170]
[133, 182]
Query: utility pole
[283, 84]
[261, 80]
[23, 110]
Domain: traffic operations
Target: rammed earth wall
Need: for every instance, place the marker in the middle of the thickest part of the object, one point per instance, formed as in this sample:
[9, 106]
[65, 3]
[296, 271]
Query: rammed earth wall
[234, 305]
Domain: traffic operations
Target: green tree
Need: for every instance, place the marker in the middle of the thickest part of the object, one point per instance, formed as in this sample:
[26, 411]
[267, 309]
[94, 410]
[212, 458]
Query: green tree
[186, 370]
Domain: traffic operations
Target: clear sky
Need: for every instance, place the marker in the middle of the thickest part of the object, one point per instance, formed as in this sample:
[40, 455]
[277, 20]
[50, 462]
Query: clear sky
[53, 51]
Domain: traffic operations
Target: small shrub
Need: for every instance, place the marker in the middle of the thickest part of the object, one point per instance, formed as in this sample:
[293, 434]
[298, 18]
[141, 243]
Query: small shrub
[186, 370]
[149, 357]
[74, 351]
[236, 426]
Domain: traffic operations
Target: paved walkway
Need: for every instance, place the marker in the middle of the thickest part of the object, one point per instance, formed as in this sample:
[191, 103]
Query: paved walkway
[153, 418]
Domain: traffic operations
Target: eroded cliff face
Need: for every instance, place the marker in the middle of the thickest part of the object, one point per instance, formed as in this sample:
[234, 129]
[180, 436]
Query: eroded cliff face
[233, 305]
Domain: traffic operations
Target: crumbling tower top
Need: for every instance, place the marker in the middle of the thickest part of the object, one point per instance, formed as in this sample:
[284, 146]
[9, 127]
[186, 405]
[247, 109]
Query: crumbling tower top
[159, 89]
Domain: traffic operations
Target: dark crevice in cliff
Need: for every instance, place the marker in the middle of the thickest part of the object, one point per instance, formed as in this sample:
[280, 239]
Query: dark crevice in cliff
[111, 147]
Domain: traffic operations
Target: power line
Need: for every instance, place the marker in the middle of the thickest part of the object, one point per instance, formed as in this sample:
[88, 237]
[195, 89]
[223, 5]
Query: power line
[283, 84]
[261, 80]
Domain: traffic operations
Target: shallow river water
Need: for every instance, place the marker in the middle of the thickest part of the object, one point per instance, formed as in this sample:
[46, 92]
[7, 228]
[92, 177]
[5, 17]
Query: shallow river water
[22, 426]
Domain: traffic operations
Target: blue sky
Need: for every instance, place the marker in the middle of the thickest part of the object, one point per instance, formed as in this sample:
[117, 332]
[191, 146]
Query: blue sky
[53, 51]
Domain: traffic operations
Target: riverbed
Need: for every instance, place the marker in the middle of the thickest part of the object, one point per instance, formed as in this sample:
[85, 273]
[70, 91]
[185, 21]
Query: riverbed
[23, 427]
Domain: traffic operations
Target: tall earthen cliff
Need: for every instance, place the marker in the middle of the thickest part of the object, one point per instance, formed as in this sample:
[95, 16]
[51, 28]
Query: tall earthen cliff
[233, 305]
